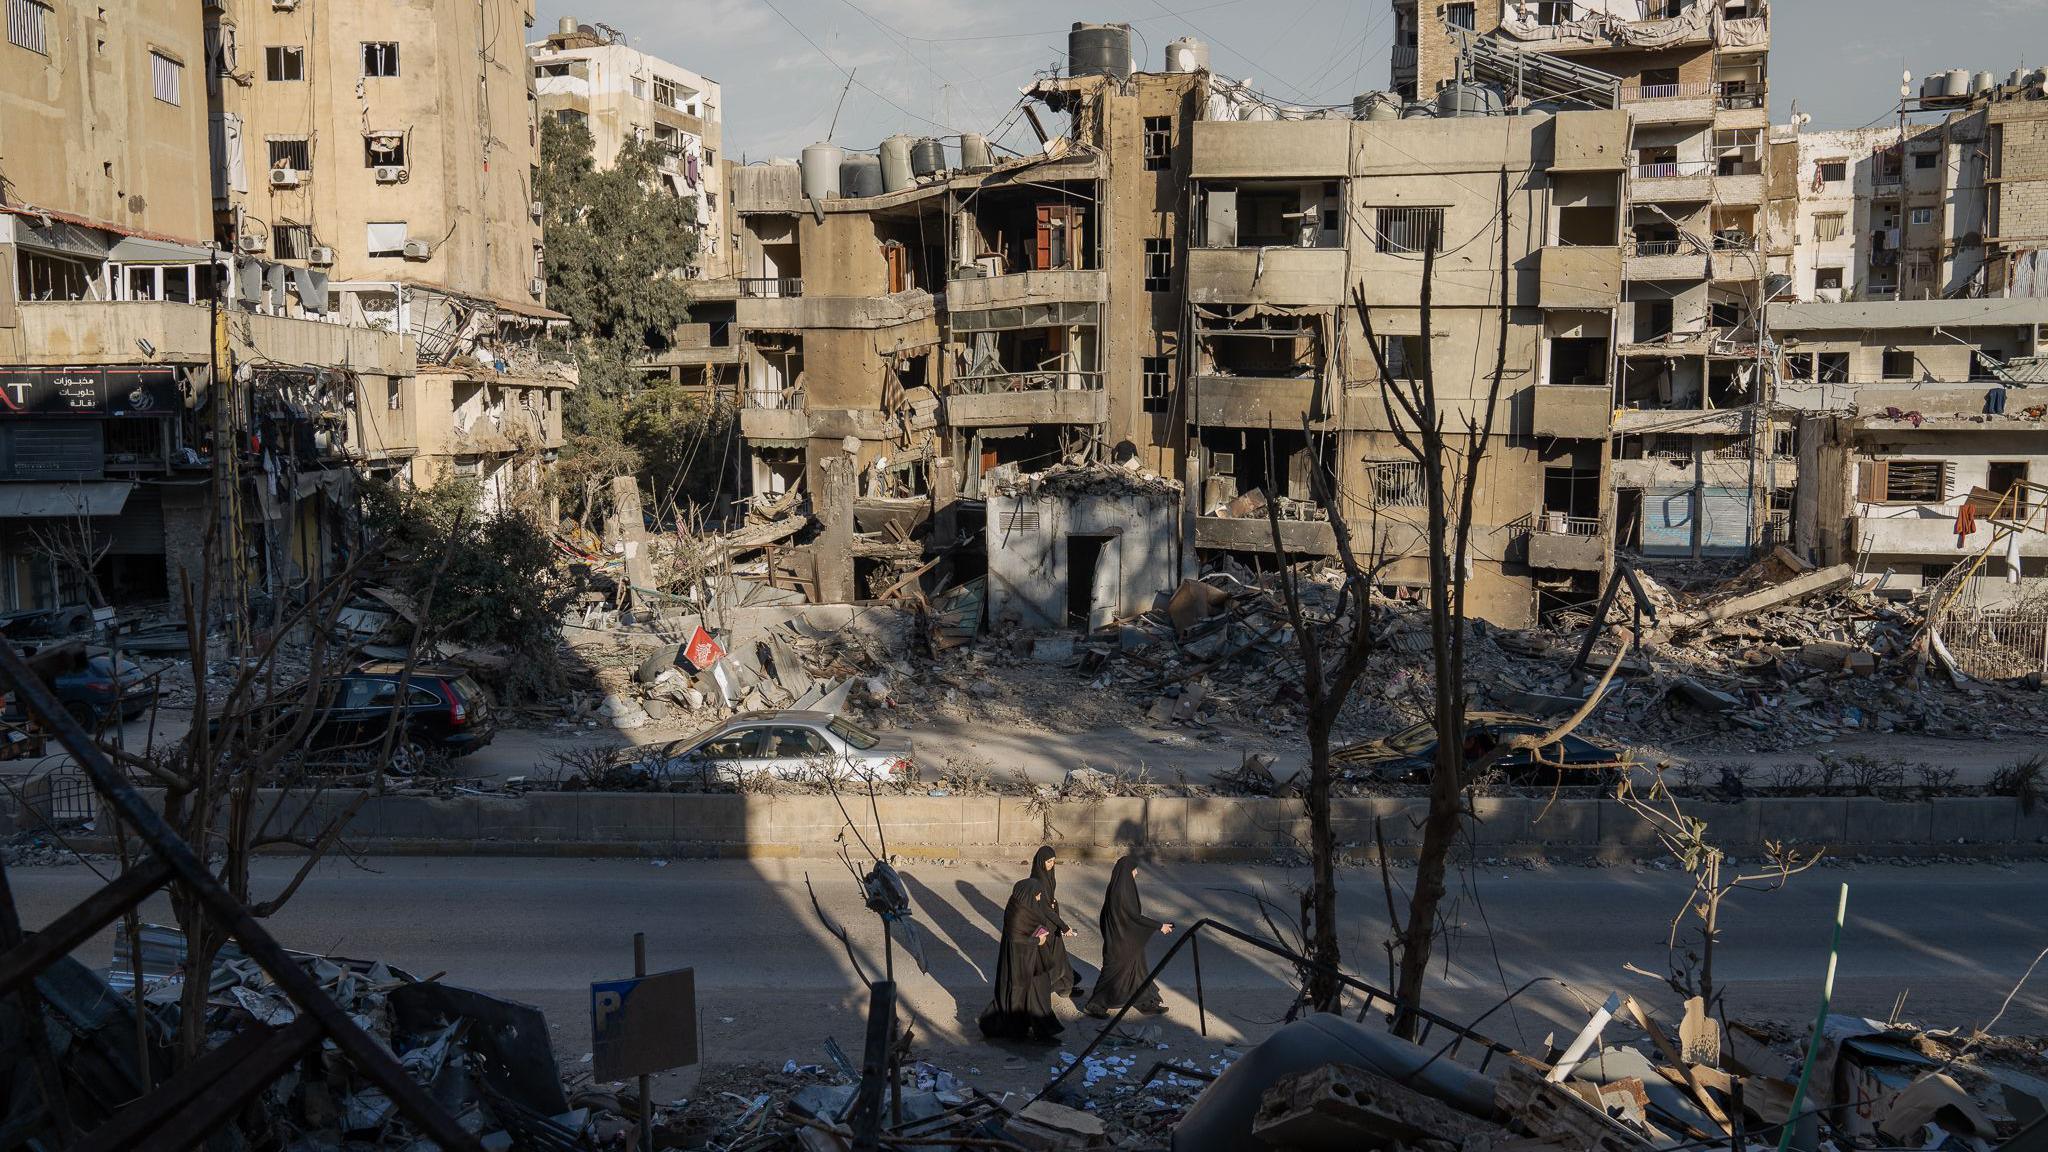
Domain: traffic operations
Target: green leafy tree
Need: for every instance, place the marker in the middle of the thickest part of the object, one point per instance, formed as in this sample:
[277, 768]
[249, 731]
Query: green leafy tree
[618, 251]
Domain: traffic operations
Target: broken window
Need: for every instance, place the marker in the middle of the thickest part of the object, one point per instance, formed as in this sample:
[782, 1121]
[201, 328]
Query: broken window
[380, 58]
[1833, 367]
[1925, 160]
[1462, 15]
[1157, 374]
[1405, 231]
[1898, 363]
[1832, 171]
[1403, 355]
[1057, 237]
[25, 27]
[1724, 314]
[1158, 264]
[284, 62]
[291, 241]
[1827, 226]
[1903, 481]
[1799, 366]
[384, 150]
[293, 152]
[667, 93]
[1578, 360]
[1827, 278]
[1393, 483]
[40, 276]
[1158, 143]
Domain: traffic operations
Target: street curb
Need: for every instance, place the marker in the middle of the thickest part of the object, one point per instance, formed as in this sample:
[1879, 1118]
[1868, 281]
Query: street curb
[1193, 829]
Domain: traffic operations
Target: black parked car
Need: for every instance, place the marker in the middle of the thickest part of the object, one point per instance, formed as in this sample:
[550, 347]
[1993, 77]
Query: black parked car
[446, 714]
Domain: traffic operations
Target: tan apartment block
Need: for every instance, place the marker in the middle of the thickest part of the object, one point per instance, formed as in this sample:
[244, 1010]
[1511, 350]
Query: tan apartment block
[1290, 219]
[102, 112]
[589, 74]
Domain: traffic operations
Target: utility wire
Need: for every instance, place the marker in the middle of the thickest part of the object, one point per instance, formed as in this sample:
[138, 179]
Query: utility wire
[848, 73]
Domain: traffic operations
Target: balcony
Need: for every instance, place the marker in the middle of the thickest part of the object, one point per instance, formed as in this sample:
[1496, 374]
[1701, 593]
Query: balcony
[1665, 260]
[1248, 534]
[975, 293]
[1673, 181]
[1572, 411]
[770, 287]
[1285, 276]
[1575, 277]
[1567, 543]
[1928, 531]
[1404, 58]
[1591, 142]
[1743, 186]
[1026, 405]
[783, 424]
[1251, 402]
[1734, 261]
[1670, 103]
[786, 308]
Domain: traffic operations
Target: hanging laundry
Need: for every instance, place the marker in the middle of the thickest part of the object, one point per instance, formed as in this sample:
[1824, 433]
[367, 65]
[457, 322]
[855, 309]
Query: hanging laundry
[690, 169]
[1966, 523]
[2012, 557]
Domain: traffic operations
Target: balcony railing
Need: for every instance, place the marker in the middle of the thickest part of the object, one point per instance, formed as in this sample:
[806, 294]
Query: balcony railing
[1404, 55]
[1734, 98]
[1733, 241]
[1674, 169]
[1656, 247]
[771, 287]
[1051, 380]
[1559, 524]
[1634, 93]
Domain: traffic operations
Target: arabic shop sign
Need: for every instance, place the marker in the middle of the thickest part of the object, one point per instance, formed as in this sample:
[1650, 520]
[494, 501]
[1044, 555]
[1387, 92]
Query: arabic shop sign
[89, 392]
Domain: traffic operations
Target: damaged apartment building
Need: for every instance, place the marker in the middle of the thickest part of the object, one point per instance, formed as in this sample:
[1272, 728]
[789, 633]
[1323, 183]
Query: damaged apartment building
[1698, 469]
[126, 394]
[1108, 359]
[373, 167]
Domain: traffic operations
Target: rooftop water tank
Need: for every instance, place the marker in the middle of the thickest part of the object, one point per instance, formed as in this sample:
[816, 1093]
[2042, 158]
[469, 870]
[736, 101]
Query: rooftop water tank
[821, 171]
[1982, 83]
[1417, 111]
[927, 156]
[1468, 100]
[1099, 50]
[1959, 83]
[1187, 54]
[1375, 106]
[860, 175]
[1934, 87]
[566, 26]
[975, 155]
[895, 156]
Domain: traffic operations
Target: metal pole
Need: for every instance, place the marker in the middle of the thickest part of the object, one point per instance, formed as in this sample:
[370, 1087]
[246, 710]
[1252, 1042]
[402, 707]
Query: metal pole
[1820, 1021]
[646, 1134]
[1201, 1006]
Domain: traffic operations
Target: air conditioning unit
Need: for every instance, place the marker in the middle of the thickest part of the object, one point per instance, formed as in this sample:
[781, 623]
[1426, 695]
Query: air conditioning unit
[533, 210]
[286, 177]
[320, 254]
[418, 250]
[253, 245]
[392, 174]
[537, 286]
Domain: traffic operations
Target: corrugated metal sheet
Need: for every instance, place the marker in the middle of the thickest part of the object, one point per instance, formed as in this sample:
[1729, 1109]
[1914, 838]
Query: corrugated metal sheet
[51, 450]
[1669, 515]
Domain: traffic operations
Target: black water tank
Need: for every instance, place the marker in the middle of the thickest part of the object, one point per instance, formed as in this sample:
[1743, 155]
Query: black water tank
[1099, 50]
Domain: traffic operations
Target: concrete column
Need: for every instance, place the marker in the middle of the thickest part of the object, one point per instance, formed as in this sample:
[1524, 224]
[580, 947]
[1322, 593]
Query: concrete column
[632, 531]
[833, 504]
[945, 490]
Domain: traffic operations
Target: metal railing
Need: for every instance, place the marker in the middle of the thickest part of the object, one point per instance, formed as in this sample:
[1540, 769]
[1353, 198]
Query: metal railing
[1633, 93]
[1733, 99]
[1049, 380]
[771, 287]
[1673, 169]
[1429, 1021]
[1734, 242]
[1404, 55]
[1557, 524]
[1656, 247]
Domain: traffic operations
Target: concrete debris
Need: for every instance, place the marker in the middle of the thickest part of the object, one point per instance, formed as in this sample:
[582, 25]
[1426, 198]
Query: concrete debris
[1338, 1107]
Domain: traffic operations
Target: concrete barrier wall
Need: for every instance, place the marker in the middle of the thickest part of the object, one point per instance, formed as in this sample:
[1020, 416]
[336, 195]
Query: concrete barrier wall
[593, 824]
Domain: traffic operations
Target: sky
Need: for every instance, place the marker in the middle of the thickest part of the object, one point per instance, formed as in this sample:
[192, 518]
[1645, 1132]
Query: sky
[940, 67]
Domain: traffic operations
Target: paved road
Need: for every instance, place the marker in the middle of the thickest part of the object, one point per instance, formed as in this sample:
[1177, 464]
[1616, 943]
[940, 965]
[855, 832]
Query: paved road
[772, 984]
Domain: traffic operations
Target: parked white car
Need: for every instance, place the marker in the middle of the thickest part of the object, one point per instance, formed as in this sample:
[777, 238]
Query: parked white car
[786, 743]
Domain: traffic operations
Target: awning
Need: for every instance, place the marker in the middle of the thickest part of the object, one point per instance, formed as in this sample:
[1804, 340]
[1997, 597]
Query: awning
[139, 250]
[41, 500]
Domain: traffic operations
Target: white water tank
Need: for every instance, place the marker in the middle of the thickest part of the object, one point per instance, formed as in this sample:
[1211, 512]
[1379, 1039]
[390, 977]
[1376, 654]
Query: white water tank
[975, 155]
[1984, 82]
[895, 154]
[566, 26]
[1958, 83]
[1187, 54]
[821, 170]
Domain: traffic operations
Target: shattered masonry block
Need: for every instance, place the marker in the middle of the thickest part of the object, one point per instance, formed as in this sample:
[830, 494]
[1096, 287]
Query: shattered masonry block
[1338, 1108]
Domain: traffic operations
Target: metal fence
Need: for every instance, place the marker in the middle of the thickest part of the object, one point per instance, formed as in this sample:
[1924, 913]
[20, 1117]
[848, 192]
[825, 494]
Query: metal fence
[1996, 643]
[771, 287]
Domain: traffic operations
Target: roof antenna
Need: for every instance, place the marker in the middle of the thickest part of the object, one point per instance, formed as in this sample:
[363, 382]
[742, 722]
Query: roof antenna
[836, 107]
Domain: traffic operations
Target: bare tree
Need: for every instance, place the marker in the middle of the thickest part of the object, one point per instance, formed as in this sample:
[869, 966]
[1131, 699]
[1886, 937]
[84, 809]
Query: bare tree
[1690, 955]
[1335, 652]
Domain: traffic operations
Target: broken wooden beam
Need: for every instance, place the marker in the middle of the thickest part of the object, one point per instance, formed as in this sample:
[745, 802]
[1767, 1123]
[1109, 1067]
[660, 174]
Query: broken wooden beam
[1796, 588]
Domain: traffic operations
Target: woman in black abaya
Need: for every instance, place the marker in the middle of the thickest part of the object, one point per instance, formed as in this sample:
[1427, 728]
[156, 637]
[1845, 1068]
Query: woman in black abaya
[1125, 932]
[1022, 1007]
[1064, 980]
